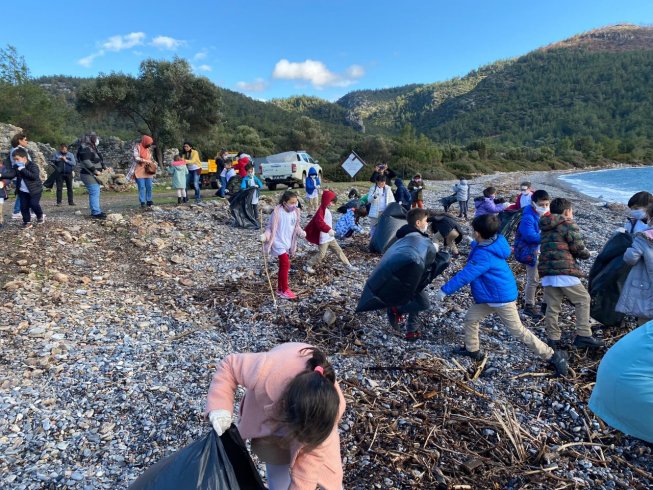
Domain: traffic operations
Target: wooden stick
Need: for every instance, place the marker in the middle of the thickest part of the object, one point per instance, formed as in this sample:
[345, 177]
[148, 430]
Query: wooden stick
[265, 260]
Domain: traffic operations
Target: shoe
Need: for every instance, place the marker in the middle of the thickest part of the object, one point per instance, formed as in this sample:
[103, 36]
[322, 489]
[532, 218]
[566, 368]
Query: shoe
[27, 226]
[309, 269]
[142, 205]
[72, 204]
[58, 204]
[185, 199]
[394, 317]
[559, 362]
[532, 312]
[99, 216]
[554, 344]
[16, 216]
[287, 294]
[543, 309]
[588, 342]
[179, 201]
[41, 220]
[150, 203]
[412, 336]
[462, 351]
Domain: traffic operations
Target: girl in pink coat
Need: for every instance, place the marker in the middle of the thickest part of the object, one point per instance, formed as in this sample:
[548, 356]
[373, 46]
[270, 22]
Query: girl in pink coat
[290, 411]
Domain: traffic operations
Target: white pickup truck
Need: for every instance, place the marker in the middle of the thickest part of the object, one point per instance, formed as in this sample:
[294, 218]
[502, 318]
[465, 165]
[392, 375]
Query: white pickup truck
[289, 168]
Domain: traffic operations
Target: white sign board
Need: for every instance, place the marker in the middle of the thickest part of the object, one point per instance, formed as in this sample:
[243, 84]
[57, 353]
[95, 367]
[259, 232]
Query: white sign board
[353, 164]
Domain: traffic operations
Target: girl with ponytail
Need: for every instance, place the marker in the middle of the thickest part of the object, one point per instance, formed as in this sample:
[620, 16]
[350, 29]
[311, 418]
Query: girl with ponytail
[290, 411]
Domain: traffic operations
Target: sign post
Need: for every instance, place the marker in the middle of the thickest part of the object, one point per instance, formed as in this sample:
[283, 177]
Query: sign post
[353, 164]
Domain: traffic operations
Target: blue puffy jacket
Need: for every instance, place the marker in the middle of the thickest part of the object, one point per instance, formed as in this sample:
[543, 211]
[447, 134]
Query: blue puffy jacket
[312, 183]
[488, 273]
[528, 237]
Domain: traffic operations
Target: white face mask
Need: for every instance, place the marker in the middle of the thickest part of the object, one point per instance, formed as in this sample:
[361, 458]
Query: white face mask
[638, 213]
[541, 210]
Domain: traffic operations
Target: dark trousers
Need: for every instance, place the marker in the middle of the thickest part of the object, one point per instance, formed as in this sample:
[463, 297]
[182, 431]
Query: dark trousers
[463, 208]
[52, 178]
[68, 179]
[30, 201]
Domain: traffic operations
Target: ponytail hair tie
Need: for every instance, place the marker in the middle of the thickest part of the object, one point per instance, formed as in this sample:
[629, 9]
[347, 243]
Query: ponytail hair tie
[319, 369]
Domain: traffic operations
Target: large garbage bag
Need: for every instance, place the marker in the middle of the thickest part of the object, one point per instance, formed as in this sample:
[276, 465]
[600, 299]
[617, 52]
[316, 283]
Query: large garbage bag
[407, 267]
[233, 186]
[393, 218]
[607, 278]
[352, 203]
[242, 209]
[509, 223]
[623, 393]
[448, 201]
[206, 464]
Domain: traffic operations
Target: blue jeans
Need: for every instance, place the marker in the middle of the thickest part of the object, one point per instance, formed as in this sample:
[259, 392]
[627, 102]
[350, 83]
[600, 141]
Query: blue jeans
[17, 204]
[144, 190]
[193, 178]
[223, 186]
[94, 198]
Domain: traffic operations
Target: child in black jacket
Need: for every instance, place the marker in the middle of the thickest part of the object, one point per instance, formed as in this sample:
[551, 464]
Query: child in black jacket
[29, 185]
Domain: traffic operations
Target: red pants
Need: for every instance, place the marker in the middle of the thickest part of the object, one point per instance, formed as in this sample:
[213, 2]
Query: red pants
[284, 268]
[418, 204]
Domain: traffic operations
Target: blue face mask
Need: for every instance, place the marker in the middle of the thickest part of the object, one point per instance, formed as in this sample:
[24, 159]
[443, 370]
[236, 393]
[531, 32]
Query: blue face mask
[638, 213]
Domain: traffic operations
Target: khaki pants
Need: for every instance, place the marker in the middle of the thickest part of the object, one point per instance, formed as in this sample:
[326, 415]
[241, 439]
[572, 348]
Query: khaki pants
[324, 248]
[449, 240]
[532, 281]
[579, 297]
[510, 318]
[2, 203]
[311, 205]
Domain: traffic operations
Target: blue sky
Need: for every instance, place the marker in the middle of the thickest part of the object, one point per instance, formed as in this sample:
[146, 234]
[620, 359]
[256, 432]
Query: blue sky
[270, 49]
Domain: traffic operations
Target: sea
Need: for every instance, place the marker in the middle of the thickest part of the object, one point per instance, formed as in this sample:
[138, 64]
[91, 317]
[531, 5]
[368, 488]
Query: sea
[612, 185]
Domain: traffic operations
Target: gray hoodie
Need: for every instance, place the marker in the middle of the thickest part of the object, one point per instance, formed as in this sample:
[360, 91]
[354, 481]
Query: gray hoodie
[462, 190]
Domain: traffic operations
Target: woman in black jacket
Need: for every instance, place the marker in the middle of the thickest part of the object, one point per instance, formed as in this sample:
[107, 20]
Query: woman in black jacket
[91, 164]
[29, 185]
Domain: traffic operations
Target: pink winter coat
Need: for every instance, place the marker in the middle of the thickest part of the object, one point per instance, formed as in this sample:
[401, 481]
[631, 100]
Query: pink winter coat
[266, 375]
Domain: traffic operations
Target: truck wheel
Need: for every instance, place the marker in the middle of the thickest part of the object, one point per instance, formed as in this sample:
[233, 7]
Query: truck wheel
[272, 187]
[303, 182]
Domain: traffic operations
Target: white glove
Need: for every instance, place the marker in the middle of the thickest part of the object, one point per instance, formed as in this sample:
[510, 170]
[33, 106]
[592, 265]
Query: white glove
[221, 420]
[331, 232]
[440, 295]
[262, 237]
[621, 230]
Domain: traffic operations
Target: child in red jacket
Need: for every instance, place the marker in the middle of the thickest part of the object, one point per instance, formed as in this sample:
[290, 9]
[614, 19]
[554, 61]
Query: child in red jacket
[320, 232]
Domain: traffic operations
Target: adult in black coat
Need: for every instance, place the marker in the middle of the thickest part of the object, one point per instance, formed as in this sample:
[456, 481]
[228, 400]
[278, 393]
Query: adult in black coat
[383, 169]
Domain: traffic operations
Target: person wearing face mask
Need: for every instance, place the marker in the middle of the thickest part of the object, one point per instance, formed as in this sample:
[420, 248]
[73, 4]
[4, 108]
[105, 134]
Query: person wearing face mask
[527, 245]
[523, 198]
[280, 238]
[637, 205]
[416, 189]
[417, 224]
[144, 170]
[486, 204]
[379, 196]
[91, 164]
[636, 297]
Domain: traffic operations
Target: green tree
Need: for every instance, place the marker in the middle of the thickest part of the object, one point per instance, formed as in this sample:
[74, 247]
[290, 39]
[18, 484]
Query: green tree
[308, 135]
[13, 69]
[166, 101]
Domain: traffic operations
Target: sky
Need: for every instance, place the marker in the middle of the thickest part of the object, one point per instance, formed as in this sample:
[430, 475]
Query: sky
[278, 48]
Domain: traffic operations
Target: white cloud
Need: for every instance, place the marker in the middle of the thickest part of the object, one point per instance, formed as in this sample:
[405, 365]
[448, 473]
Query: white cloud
[166, 42]
[87, 61]
[200, 56]
[258, 85]
[118, 43]
[204, 68]
[316, 73]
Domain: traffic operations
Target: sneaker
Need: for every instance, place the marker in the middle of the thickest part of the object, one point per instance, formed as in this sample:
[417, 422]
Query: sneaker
[142, 205]
[462, 351]
[58, 204]
[150, 203]
[309, 269]
[27, 226]
[412, 336]
[559, 362]
[16, 216]
[287, 294]
[554, 344]
[532, 312]
[588, 342]
[99, 216]
[41, 220]
[71, 204]
[394, 317]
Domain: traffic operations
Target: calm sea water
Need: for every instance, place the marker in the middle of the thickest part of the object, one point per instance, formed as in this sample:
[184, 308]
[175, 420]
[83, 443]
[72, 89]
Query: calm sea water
[614, 185]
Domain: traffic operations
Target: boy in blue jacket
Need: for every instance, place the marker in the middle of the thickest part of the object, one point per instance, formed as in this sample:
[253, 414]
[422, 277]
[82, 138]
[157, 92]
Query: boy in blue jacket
[312, 186]
[495, 291]
[527, 247]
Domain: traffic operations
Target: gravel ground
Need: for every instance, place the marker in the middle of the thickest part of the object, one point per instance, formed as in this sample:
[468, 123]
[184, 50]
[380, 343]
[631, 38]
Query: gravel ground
[110, 332]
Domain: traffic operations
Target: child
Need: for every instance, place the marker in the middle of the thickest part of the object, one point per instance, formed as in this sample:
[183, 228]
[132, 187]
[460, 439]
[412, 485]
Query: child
[494, 291]
[561, 245]
[251, 180]
[416, 188]
[290, 412]
[29, 186]
[347, 225]
[179, 171]
[638, 204]
[637, 294]
[461, 189]
[280, 238]
[319, 232]
[3, 196]
[225, 176]
[402, 196]
[417, 223]
[487, 205]
[445, 226]
[313, 185]
[379, 196]
[523, 199]
[527, 245]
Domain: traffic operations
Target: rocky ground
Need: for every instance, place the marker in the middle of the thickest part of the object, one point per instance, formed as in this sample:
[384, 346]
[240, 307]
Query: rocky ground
[110, 331]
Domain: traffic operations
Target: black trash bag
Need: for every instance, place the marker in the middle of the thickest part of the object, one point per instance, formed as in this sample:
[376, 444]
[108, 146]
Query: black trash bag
[509, 223]
[353, 203]
[393, 218]
[233, 186]
[204, 464]
[448, 201]
[245, 469]
[242, 209]
[607, 278]
[407, 267]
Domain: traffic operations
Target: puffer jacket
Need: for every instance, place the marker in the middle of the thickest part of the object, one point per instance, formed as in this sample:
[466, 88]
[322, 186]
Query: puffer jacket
[486, 205]
[30, 174]
[560, 247]
[90, 161]
[462, 190]
[487, 272]
[375, 196]
[637, 294]
[312, 181]
[527, 238]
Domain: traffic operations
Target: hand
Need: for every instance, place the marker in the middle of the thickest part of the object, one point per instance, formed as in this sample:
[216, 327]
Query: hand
[440, 295]
[221, 420]
[331, 232]
[97, 172]
[257, 186]
[468, 239]
[262, 238]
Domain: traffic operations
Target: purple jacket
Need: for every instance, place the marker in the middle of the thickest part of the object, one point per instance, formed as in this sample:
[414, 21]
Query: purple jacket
[487, 206]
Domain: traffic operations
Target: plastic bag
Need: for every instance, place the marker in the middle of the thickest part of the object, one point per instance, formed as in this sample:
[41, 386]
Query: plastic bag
[393, 218]
[242, 209]
[206, 464]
